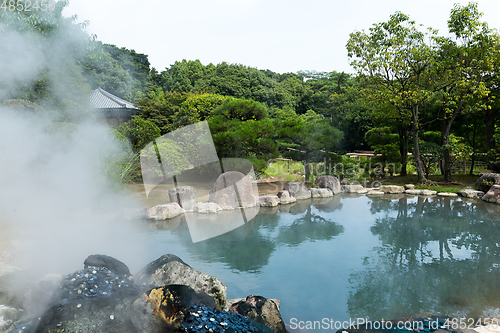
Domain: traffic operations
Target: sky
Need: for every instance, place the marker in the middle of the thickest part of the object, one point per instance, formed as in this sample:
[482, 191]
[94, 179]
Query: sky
[279, 35]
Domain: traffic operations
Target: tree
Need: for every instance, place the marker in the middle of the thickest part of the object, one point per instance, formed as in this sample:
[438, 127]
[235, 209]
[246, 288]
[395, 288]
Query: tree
[310, 133]
[139, 132]
[465, 63]
[396, 62]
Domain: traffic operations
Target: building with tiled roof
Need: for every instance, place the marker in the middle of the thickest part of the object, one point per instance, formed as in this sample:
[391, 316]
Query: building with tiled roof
[113, 109]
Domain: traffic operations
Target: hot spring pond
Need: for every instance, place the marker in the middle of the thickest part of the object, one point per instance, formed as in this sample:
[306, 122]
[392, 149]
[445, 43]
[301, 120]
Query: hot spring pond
[353, 257]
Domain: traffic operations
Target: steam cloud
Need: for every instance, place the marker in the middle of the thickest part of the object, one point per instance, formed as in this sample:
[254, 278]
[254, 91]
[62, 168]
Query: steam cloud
[54, 197]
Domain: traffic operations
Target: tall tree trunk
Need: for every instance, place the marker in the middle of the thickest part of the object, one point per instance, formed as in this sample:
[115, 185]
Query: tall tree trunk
[446, 143]
[473, 159]
[306, 166]
[403, 148]
[416, 149]
[490, 117]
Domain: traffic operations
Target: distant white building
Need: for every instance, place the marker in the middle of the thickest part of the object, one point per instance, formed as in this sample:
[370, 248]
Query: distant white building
[112, 109]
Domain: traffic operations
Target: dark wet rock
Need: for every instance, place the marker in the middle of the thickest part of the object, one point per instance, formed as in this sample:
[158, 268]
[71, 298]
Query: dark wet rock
[185, 196]
[493, 195]
[164, 308]
[471, 194]
[285, 197]
[114, 265]
[37, 298]
[233, 190]
[269, 200]
[92, 299]
[174, 271]
[485, 182]
[329, 182]
[298, 190]
[203, 319]
[495, 166]
[261, 310]
[163, 212]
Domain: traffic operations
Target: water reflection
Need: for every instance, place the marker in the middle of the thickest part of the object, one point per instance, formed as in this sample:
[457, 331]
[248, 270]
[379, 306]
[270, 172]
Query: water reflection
[436, 254]
[249, 247]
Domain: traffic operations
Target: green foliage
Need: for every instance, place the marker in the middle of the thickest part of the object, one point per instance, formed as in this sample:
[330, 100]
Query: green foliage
[139, 132]
[197, 108]
[384, 141]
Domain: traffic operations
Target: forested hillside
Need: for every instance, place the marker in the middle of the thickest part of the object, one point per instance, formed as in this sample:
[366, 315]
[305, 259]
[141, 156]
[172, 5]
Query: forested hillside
[413, 92]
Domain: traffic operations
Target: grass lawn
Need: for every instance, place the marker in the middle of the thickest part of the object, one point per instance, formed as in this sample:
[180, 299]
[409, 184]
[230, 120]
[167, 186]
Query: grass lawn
[459, 181]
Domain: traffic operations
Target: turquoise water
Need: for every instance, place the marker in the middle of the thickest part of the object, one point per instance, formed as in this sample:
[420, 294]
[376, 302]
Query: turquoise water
[353, 256]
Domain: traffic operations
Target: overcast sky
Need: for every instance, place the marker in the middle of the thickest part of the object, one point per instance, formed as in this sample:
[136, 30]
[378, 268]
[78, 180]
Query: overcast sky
[280, 35]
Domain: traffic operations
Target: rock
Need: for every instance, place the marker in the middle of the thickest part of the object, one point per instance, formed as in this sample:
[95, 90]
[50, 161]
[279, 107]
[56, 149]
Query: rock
[36, 299]
[363, 191]
[8, 316]
[231, 301]
[261, 310]
[447, 194]
[210, 320]
[493, 195]
[233, 190]
[392, 189]
[173, 271]
[420, 192]
[269, 200]
[495, 166]
[374, 192]
[6, 268]
[485, 172]
[91, 300]
[163, 309]
[486, 181]
[185, 196]
[409, 186]
[163, 212]
[285, 197]
[14, 285]
[298, 190]
[321, 193]
[472, 194]
[207, 208]
[114, 265]
[329, 182]
[351, 188]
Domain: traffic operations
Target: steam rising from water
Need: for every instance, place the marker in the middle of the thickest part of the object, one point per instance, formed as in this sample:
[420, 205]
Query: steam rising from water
[53, 194]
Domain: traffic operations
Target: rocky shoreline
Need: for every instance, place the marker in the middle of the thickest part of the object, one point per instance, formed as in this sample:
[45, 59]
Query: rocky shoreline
[167, 295]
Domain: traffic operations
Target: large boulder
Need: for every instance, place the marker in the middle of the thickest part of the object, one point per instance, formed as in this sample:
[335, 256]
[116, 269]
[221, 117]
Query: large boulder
[493, 195]
[185, 196]
[420, 192]
[285, 197]
[392, 189]
[163, 309]
[114, 265]
[321, 193]
[486, 181]
[233, 190]
[8, 316]
[163, 212]
[261, 310]
[171, 270]
[269, 200]
[351, 188]
[298, 190]
[204, 319]
[495, 166]
[207, 208]
[471, 194]
[329, 182]
[91, 300]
